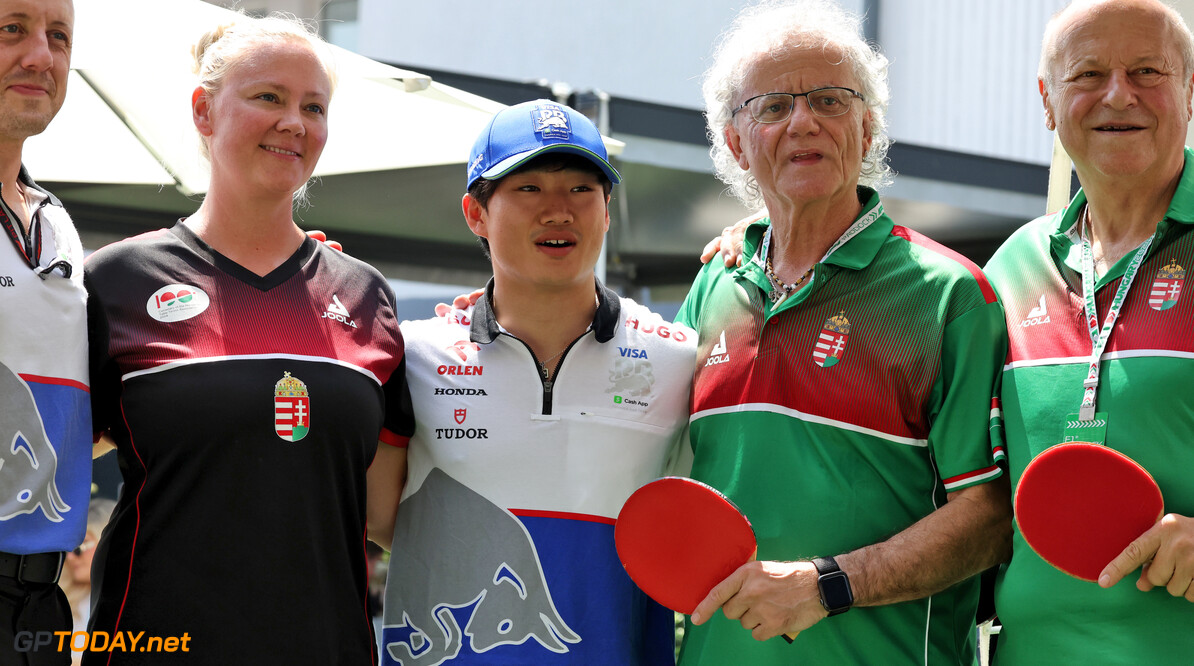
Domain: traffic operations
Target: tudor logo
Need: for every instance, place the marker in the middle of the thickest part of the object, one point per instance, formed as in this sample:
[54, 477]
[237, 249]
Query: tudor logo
[177, 302]
[460, 415]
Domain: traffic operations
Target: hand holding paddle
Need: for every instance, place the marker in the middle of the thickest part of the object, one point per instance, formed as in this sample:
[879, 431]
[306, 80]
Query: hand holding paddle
[767, 598]
[1166, 553]
[679, 538]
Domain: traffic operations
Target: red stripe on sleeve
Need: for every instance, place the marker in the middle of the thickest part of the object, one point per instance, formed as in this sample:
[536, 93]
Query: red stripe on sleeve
[392, 439]
[928, 243]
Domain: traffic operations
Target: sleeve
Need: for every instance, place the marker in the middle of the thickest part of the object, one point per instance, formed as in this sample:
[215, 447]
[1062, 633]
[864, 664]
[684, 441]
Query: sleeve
[689, 314]
[973, 348]
[399, 424]
[104, 373]
[995, 419]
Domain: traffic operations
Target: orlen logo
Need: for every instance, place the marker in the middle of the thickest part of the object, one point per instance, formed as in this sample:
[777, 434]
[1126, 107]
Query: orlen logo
[461, 370]
[177, 302]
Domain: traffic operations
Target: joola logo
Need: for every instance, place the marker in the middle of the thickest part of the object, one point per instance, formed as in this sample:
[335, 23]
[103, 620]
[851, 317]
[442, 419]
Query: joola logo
[460, 391]
[460, 369]
[719, 352]
[1037, 315]
[631, 352]
[337, 311]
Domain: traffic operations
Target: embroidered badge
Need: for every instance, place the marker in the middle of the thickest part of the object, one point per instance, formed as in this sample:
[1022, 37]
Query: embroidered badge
[1167, 287]
[551, 122]
[831, 344]
[292, 409]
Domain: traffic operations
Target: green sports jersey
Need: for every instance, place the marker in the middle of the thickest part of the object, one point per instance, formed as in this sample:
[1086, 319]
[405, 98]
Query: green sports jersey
[842, 417]
[1147, 391]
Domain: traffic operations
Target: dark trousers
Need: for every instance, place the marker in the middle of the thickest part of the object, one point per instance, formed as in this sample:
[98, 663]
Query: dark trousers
[29, 612]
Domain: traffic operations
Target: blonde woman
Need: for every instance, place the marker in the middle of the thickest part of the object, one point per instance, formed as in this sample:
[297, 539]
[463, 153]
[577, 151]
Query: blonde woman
[247, 374]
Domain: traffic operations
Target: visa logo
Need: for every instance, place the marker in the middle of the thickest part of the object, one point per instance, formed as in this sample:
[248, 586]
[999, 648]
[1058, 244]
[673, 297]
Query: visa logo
[631, 352]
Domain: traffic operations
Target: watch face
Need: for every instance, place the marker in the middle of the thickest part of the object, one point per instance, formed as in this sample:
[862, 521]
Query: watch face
[835, 592]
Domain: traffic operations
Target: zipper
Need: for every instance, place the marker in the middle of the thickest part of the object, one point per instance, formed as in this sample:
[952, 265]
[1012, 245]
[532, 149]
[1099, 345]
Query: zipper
[29, 246]
[548, 384]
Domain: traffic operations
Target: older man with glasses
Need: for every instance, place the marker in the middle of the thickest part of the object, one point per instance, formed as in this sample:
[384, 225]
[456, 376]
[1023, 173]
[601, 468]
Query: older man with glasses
[844, 372]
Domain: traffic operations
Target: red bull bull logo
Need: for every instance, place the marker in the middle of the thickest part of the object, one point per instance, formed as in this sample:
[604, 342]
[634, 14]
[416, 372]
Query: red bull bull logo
[496, 597]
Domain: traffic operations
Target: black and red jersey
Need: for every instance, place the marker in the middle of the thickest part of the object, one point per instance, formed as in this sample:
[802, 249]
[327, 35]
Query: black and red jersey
[246, 410]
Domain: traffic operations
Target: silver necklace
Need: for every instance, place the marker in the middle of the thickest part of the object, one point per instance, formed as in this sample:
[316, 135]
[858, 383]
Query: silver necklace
[543, 369]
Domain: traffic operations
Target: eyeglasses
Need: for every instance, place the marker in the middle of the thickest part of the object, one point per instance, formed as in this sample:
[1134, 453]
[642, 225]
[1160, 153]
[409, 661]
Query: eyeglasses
[777, 107]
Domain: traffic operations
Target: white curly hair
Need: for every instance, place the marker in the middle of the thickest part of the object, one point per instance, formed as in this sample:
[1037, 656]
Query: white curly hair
[774, 28]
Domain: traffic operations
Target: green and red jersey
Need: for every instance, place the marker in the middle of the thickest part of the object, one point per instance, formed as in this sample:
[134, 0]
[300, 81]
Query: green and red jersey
[841, 417]
[1146, 389]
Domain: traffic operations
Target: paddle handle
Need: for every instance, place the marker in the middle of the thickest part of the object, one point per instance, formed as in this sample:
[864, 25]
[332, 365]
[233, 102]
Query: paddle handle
[790, 638]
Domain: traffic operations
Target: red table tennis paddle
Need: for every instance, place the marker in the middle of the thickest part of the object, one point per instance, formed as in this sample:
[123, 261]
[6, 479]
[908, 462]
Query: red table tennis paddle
[678, 538]
[1079, 505]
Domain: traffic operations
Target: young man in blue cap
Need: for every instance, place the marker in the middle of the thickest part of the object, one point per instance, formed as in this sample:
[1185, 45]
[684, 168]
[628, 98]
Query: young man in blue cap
[540, 409]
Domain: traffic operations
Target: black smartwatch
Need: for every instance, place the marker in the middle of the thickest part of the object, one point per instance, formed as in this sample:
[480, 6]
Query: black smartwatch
[834, 584]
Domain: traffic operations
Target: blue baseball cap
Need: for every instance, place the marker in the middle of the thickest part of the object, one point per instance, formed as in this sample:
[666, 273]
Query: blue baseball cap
[523, 131]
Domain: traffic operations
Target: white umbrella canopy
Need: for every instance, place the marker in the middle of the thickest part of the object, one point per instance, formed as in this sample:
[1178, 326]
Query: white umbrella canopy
[127, 116]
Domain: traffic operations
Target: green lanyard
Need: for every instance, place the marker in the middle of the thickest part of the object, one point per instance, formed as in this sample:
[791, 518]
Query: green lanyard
[1099, 337]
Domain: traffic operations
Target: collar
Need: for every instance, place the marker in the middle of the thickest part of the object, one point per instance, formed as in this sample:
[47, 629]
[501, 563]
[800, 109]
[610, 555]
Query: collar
[27, 181]
[1065, 242]
[485, 328]
[856, 254]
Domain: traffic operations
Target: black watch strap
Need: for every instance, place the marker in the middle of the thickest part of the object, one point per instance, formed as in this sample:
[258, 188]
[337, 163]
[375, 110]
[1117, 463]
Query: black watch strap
[834, 585]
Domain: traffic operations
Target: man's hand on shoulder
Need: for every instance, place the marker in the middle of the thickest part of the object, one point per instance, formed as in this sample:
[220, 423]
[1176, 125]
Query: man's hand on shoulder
[323, 238]
[461, 302]
[729, 243]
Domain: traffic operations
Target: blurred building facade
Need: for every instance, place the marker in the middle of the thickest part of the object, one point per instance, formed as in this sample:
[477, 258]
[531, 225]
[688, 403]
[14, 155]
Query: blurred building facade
[971, 150]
